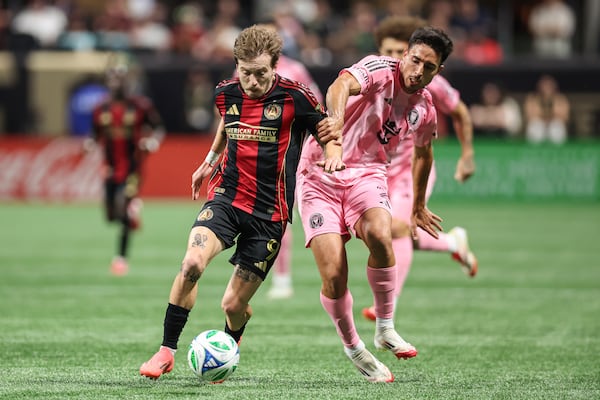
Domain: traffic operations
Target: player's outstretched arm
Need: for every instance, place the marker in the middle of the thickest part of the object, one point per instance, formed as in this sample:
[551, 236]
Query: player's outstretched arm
[421, 216]
[337, 97]
[463, 126]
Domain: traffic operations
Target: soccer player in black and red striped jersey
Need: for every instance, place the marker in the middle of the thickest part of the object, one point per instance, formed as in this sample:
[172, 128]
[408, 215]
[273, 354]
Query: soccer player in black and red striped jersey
[264, 120]
[128, 127]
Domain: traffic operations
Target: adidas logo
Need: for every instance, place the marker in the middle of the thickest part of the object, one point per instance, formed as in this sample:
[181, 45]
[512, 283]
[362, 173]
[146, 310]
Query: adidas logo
[233, 110]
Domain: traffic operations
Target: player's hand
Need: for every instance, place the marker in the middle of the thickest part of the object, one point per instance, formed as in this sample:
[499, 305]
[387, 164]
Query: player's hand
[465, 168]
[329, 129]
[331, 164]
[149, 144]
[198, 176]
[426, 220]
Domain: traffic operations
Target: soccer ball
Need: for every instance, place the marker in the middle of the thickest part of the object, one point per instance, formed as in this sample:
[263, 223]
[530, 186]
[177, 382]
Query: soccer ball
[213, 355]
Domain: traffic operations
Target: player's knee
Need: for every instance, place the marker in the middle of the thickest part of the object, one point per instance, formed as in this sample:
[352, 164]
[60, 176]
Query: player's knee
[378, 238]
[233, 306]
[334, 285]
[192, 267]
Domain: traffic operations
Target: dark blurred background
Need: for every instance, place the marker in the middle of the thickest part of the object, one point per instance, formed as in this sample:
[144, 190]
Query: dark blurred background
[53, 53]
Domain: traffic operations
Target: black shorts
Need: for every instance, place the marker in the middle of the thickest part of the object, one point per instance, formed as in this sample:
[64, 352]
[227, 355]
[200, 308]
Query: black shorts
[258, 240]
[114, 191]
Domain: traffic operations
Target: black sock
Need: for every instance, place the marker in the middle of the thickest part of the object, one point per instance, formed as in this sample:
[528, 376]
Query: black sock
[124, 241]
[175, 319]
[236, 335]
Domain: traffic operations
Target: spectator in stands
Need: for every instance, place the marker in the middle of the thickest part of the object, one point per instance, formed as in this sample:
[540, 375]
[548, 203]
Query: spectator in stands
[547, 113]
[188, 27]
[498, 115]
[473, 30]
[113, 26]
[552, 25]
[355, 39]
[42, 20]
[150, 30]
[216, 44]
[480, 49]
[77, 36]
[439, 14]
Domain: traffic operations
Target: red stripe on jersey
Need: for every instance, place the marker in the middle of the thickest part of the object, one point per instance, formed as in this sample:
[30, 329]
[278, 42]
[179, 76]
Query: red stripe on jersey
[284, 143]
[247, 157]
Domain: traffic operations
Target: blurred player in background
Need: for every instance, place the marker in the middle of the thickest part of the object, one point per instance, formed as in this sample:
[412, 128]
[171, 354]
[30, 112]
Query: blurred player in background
[375, 102]
[128, 127]
[392, 36]
[264, 122]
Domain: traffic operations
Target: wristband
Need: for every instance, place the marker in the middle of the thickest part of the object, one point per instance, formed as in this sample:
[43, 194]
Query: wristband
[211, 158]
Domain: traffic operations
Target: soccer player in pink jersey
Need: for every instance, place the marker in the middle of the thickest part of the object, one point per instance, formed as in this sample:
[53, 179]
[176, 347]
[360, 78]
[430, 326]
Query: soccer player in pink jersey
[392, 36]
[373, 105]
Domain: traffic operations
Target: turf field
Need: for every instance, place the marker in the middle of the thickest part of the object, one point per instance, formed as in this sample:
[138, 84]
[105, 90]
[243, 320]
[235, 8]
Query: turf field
[527, 327]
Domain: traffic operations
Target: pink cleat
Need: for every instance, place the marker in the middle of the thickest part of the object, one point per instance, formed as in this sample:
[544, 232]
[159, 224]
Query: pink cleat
[369, 313]
[161, 363]
[119, 266]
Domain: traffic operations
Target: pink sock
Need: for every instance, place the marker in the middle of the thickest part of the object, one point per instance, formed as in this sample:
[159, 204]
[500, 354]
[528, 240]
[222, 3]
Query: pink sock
[282, 263]
[383, 284]
[340, 312]
[403, 251]
[428, 242]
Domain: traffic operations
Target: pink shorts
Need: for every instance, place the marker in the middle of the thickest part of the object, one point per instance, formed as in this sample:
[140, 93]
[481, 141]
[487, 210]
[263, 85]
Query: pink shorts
[400, 187]
[334, 203]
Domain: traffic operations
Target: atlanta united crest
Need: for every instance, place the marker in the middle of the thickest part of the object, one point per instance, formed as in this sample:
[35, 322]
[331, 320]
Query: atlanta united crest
[272, 111]
[205, 215]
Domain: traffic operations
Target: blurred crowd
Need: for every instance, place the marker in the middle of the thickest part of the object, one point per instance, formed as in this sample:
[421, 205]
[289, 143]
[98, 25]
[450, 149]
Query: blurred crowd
[316, 32]
[319, 33]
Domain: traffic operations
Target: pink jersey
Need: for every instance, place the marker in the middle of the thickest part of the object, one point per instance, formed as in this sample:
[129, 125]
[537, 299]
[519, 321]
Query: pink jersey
[446, 99]
[296, 71]
[379, 117]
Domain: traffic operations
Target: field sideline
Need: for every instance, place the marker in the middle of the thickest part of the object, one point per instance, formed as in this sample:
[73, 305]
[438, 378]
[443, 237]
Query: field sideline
[527, 327]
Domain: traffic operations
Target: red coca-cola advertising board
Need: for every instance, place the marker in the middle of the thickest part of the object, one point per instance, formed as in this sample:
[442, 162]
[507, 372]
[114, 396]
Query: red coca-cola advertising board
[57, 170]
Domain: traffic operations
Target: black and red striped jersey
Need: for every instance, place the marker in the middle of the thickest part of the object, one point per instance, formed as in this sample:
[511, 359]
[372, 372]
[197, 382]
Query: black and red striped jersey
[257, 173]
[119, 125]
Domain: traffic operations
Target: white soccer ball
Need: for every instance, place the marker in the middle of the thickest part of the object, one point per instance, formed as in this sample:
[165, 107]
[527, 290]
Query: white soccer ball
[213, 355]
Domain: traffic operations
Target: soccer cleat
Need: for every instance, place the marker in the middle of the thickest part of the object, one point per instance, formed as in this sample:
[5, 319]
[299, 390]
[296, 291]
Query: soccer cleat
[388, 339]
[464, 255]
[119, 266]
[134, 213]
[161, 363]
[372, 369]
[369, 313]
[280, 292]
[281, 287]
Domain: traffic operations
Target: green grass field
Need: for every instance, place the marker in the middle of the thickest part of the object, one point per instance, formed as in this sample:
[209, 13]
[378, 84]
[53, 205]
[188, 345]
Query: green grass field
[527, 327]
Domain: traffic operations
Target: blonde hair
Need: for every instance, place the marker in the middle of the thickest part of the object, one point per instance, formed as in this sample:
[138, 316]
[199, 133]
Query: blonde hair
[256, 40]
